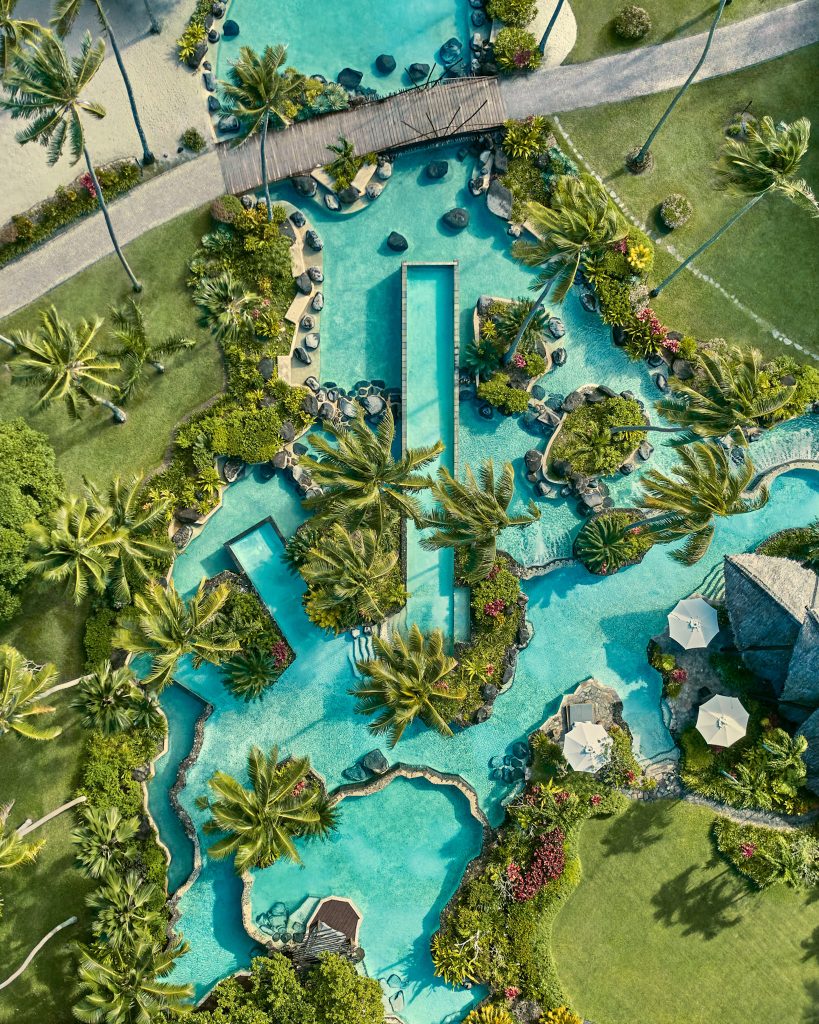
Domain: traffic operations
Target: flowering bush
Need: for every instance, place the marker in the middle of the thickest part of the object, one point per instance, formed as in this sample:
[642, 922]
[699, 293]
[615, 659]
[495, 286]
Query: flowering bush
[548, 862]
[524, 139]
[676, 210]
[518, 360]
[639, 257]
[560, 1015]
[512, 12]
[516, 50]
[632, 22]
[495, 595]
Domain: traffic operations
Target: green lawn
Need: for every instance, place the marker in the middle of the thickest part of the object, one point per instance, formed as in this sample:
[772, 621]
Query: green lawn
[48, 628]
[670, 19]
[661, 930]
[40, 777]
[770, 259]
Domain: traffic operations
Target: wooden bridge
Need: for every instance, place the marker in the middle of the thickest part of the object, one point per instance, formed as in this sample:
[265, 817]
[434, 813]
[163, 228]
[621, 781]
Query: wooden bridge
[439, 111]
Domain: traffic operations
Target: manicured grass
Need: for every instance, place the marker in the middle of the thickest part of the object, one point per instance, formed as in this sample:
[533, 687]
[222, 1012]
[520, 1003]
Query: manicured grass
[662, 930]
[48, 628]
[669, 20]
[39, 777]
[770, 259]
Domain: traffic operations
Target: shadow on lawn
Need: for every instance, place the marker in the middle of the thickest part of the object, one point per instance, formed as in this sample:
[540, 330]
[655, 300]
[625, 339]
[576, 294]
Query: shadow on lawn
[812, 1012]
[699, 908]
[640, 826]
[811, 947]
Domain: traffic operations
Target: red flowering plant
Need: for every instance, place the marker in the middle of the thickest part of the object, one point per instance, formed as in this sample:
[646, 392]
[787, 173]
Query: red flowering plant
[747, 850]
[494, 608]
[87, 182]
[547, 863]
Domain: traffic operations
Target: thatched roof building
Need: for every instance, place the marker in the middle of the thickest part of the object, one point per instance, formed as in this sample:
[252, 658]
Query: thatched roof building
[333, 928]
[773, 604]
[810, 730]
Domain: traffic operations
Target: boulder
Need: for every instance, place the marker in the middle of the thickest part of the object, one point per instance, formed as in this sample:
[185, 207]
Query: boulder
[209, 80]
[218, 10]
[287, 432]
[384, 171]
[499, 200]
[595, 396]
[545, 490]
[317, 305]
[478, 18]
[437, 169]
[683, 369]
[538, 392]
[514, 231]
[348, 196]
[302, 355]
[214, 106]
[304, 185]
[375, 762]
[559, 356]
[286, 230]
[573, 401]
[532, 460]
[555, 327]
[248, 200]
[213, 36]
[655, 361]
[299, 220]
[304, 284]
[326, 411]
[191, 516]
[266, 368]
[307, 322]
[197, 56]
[182, 536]
[457, 219]
[346, 408]
[618, 336]
[315, 274]
[661, 381]
[500, 161]
[418, 72]
[549, 417]
[489, 691]
[484, 304]
[312, 383]
[480, 716]
[349, 78]
[475, 186]
[385, 63]
[232, 470]
[450, 52]
[312, 341]
[310, 405]
[629, 395]
[373, 405]
[508, 673]
[626, 468]
[397, 242]
[373, 190]
[588, 302]
[486, 411]
[313, 239]
[645, 451]
[331, 201]
[281, 459]
[356, 773]
[230, 29]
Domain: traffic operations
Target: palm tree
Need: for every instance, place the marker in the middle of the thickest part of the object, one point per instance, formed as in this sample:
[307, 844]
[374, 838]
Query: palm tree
[21, 686]
[65, 14]
[725, 397]
[76, 547]
[227, 307]
[136, 351]
[139, 537]
[126, 987]
[362, 483]
[639, 160]
[250, 672]
[107, 699]
[767, 163]
[785, 754]
[104, 840]
[14, 850]
[256, 89]
[14, 32]
[261, 823]
[44, 86]
[345, 567]
[581, 222]
[60, 360]
[406, 680]
[513, 315]
[164, 625]
[125, 910]
[345, 165]
[481, 358]
[704, 485]
[472, 513]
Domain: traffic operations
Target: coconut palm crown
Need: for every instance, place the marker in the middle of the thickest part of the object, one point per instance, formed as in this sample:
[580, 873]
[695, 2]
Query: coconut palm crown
[137, 350]
[14, 32]
[471, 513]
[21, 687]
[407, 680]
[14, 849]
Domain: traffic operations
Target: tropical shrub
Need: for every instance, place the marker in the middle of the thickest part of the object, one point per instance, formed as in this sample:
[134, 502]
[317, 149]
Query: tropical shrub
[560, 1015]
[489, 1014]
[195, 30]
[516, 50]
[527, 183]
[226, 209]
[640, 257]
[676, 210]
[496, 596]
[585, 440]
[768, 856]
[805, 388]
[98, 634]
[800, 543]
[513, 12]
[498, 392]
[605, 542]
[632, 22]
[193, 140]
[525, 139]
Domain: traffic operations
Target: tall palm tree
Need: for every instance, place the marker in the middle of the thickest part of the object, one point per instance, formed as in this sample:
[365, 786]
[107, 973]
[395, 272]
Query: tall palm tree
[703, 486]
[65, 14]
[255, 90]
[227, 307]
[108, 699]
[165, 626]
[261, 823]
[14, 849]
[344, 567]
[136, 351]
[249, 673]
[104, 840]
[472, 513]
[639, 160]
[60, 359]
[125, 909]
[581, 222]
[363, 484]
[75, 547]
[767, 163]
[138, 529]
[21, 687]
[14, 32]
[127, 987]
[407, 680]
[345, 165]
[512, 315]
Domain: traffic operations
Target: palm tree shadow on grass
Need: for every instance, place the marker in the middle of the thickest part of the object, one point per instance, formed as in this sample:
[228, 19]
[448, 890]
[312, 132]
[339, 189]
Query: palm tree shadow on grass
[698, 908]
[812, 1012]
[640, 826]
[811, 948]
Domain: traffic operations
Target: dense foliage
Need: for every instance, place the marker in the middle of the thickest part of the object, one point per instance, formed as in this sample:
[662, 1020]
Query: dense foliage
[513, 12]
[632, 22]
[768, 856]
[516, 50]
[801, 543]
[676, 210]
[501, 393]
[586, 443]
[606, 543]
[30, 490]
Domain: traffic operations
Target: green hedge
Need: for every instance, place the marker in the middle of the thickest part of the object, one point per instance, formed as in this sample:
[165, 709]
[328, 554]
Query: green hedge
[584, 440]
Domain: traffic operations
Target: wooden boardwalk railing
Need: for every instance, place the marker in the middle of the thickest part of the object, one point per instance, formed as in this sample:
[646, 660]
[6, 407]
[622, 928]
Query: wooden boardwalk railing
[417, 115]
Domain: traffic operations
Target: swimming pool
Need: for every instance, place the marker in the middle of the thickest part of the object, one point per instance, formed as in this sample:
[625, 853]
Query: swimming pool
[324, 36]
[583, 625]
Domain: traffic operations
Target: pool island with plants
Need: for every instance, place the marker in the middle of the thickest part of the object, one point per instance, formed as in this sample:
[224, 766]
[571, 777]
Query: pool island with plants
[401, 622]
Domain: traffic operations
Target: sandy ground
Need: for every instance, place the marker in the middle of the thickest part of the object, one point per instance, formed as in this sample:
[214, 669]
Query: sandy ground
[169, 96]
[564, 34]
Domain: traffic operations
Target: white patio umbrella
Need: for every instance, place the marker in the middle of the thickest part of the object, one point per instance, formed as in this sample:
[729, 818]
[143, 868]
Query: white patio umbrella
[586, 747]
[693, 623]
[722, 721]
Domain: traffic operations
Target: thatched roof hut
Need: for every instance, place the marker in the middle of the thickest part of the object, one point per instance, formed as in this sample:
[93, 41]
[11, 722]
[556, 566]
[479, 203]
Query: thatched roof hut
[802, 682]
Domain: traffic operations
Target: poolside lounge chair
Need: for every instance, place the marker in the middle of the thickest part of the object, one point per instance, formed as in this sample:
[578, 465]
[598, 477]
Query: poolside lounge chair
[579, 713]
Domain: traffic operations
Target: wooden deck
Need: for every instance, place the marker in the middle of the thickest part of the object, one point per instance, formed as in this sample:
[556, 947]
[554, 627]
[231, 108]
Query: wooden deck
[418, 115]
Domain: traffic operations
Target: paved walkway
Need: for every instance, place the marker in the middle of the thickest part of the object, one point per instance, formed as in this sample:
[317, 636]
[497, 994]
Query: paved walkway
[652, 69]
[609, 79]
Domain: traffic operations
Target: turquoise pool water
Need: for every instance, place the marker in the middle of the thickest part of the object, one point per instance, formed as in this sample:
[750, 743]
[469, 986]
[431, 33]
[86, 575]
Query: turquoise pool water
[324, 36]
[583, 626]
